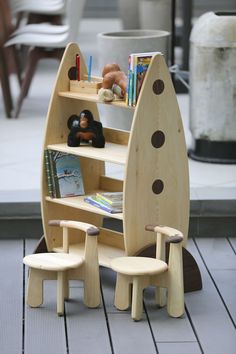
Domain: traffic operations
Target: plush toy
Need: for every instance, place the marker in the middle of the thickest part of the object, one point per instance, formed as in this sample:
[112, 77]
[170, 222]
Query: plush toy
[114, 82]
[84, 128]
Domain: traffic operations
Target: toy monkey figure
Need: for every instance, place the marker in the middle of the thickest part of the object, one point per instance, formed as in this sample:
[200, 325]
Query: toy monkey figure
[84, 128]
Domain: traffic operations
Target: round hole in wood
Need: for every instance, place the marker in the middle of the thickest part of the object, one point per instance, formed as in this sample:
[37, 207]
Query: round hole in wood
[158, 86]
[157, 186]
[158, 139]
[72, 73]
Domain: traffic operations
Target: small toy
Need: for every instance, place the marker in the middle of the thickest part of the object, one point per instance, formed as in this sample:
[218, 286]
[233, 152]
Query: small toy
[114, 82]
[83, 129]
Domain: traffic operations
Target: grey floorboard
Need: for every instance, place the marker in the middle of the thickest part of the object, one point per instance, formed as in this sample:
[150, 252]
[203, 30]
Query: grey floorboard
[166, 328]
[179, 348]
[210, 320]
[233, 243]
[217, 253]
[130, 337]
[222, 269]
[11, 295]
[86, 328]
[44, 329]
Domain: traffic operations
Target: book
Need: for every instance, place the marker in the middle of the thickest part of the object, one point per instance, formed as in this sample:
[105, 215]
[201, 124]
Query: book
[48, 173]
[114, 199]
[93, 200]
[129, 92]
[66, 176]
[138, 66]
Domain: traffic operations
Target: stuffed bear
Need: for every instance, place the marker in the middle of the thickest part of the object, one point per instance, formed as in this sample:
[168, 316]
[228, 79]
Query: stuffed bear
[84, 128]
[114, 81]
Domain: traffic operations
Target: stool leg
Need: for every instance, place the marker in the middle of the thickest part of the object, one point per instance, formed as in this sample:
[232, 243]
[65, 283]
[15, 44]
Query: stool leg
[60, 292]
[175, 301]
[139, 283]
[160, 296]
[34, 297]
[122, 292]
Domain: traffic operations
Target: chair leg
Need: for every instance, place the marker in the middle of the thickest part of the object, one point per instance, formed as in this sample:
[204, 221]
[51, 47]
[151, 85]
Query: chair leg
[175, 302]
[160, 296]
[34, 297]
[34, 55]
[8, 105]
[123, 292]
[92, 294]
[28, 76]
[61, 280]
[139, 283]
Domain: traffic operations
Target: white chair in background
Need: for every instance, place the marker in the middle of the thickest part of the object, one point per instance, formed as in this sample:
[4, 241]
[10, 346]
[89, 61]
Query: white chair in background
[46, 44]
[52, 7]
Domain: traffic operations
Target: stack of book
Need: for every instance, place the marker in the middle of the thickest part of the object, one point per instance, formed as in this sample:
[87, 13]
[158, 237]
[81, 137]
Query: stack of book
[137, 68]
[111, 202]
[63, 173]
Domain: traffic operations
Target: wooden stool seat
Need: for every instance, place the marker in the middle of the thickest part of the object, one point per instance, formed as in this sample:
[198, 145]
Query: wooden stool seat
[53, 261]
[141, 272]
[65, 266]
[138, 265]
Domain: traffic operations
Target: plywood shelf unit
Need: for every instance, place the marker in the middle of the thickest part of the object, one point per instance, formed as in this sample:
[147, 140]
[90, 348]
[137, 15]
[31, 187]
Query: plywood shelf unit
[93, 98]
[153, 154]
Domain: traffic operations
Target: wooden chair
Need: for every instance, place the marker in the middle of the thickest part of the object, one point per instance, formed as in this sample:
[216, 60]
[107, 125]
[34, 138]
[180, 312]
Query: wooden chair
[65, 266]
[141, 272]
[47, 41]
[6, 57]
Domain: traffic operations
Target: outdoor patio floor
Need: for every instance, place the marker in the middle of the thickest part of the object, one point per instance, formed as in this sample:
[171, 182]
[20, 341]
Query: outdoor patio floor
[208, 325]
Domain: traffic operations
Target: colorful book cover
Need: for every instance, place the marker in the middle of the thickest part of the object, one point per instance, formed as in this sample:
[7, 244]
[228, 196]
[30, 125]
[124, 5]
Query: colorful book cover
[141, 63]
[66, 174]
[93, 200]
[129, 93]
[114, 199]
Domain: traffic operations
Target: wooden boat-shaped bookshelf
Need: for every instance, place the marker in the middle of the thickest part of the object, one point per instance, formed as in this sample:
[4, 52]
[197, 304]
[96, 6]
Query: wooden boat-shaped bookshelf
[153, 153]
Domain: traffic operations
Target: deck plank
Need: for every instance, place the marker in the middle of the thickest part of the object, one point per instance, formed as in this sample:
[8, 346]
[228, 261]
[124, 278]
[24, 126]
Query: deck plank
[44, 329]
[86, 328]
[222, 269]
[212, 324]
[233, 243]
[179, 348]
[168, 330]
[128, 337]
[11, 295]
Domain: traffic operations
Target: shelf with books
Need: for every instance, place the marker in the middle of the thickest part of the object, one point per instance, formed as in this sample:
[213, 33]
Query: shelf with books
[92, 98]
[114, 153]
[79, 203]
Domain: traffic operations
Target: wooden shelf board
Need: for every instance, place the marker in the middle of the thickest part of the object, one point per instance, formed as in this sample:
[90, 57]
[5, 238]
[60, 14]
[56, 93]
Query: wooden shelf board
[79, 203]
[105, 252]
[92, 98]
[114, 153]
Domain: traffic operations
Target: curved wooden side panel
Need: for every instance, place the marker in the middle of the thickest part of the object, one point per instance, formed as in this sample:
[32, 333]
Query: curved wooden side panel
[56, 132]
[156, 185]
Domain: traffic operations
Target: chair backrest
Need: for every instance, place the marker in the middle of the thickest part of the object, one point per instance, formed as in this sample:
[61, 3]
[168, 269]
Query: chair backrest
[74, 13]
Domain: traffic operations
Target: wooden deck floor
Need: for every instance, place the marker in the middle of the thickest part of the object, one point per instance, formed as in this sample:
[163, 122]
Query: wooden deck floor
[208, 325]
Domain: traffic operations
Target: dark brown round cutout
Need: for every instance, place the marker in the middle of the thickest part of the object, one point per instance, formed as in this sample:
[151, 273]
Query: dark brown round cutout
[157, 186]
[158, 87]
[72, 73]
[158, 139]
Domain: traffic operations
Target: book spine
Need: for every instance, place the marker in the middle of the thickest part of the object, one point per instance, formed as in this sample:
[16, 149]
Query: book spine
[48, 173]
[134, 99]
[108, 201]
[55, 183]
[95, 203]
